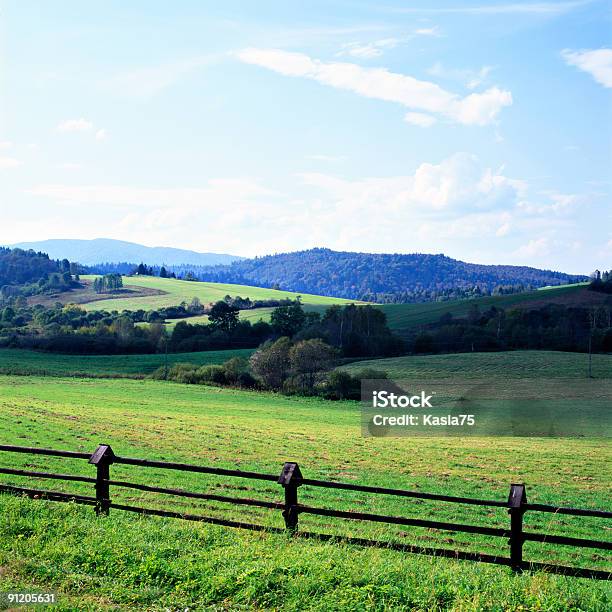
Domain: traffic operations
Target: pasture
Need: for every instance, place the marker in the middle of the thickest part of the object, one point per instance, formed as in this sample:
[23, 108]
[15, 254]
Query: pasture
[24, 362]
[406, 317]
[173, 292]
[154, 563]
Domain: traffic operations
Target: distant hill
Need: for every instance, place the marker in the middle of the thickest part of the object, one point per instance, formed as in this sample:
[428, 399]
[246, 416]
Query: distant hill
[102, 250]
[382, 277]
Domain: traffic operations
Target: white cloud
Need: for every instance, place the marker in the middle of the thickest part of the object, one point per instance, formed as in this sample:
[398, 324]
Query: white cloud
[75, 125]
[381, 84]
[70, 166]
[459, 205]
[81, 125]
[470, 78]
[377, 48]
[597, 62]
[554, 204]
[9, 162]
[433, 31]
[197, 199]
[538, 247]
[455, 185]
[5, 144]
[368, 50]
[420, 119]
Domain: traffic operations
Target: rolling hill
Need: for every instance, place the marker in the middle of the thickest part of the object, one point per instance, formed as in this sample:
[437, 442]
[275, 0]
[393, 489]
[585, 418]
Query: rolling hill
[381, 277]
[101, 250]
[407, 317]
[162, 292]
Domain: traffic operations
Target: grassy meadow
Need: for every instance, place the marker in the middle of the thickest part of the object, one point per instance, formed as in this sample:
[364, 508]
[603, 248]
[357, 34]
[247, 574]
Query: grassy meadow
[408, 316]
[176, 291]
[24, 362]
[150, 563]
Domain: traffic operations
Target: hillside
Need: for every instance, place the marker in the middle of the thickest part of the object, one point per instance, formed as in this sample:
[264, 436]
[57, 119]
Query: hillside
[162, 292]
[407, 317]
[101, 250]
[381, 277]
[101, 562]
[26, 363]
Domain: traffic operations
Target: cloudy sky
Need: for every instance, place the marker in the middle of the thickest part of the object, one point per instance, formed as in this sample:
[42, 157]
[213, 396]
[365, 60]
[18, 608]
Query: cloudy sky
[482, 130]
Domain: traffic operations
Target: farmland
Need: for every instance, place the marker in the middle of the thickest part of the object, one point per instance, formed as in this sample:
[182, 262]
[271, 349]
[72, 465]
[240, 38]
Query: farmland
[171, 292]
[404, 317]
[23, 362]
[42, 544]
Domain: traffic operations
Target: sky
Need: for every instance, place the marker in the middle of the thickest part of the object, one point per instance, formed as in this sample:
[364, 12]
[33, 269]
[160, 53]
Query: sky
[481, 130]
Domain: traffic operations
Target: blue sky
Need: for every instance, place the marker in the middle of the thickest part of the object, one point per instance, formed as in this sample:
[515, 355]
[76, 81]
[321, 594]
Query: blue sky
[482, 130]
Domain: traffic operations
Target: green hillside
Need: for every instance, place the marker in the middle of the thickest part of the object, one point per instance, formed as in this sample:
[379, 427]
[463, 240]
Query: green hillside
[510, 365]
[409, 316]
[101, 562]
[19, 361]
[176, 291]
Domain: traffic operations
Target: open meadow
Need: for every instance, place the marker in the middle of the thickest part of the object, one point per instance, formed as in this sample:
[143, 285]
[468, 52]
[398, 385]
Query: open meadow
[406, 317]
[152, 563]
[171, 292]
[24, 362]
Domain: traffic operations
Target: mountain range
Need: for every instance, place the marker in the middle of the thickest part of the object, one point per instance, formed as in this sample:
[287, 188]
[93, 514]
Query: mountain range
[376, 277]
[102, 250]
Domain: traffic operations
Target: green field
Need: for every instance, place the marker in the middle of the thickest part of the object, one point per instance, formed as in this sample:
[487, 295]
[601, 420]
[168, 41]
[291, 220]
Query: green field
[509, 365]
[177, 291]
[150, 563]
[406, 317]
[253, 315]
[18, 361]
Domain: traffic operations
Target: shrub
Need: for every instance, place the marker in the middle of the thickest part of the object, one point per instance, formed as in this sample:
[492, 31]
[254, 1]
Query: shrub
[234, 367]
[341, 385]
[211, 374]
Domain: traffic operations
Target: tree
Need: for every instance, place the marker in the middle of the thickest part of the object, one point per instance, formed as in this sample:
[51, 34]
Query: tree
[308, 360]
[223, 316]
[271, 364]
[288, 319]
[163, 273]
[195, 306]
[123, 328]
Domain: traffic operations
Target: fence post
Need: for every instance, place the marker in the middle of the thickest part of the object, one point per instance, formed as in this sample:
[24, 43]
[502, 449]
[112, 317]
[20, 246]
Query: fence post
[516, 502]
[102, 458]
[291, 479]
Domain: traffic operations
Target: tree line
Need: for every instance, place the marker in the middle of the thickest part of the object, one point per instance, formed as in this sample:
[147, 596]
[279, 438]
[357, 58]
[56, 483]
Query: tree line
[29, 273]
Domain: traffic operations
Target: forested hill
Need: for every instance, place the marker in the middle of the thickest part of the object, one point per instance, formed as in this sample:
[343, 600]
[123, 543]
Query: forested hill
[19, 267]
[28, 272]
[381, 277]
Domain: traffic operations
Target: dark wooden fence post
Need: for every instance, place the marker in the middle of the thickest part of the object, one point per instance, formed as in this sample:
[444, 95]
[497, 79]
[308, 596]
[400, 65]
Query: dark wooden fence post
[516, 502]
[102, 458]
[291, 479]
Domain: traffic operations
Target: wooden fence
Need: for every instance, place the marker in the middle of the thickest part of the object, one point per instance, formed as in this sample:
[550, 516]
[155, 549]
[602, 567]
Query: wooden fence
[291, 479]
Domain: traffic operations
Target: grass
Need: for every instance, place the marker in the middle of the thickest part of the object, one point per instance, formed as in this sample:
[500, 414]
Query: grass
[406, 317]
[18, 361]
[177, 291]
[480, 366]
[175, 566]
[153, 563]
[253, 315]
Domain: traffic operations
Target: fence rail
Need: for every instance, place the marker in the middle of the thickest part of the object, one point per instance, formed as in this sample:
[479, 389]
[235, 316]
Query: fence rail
[291, 479]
